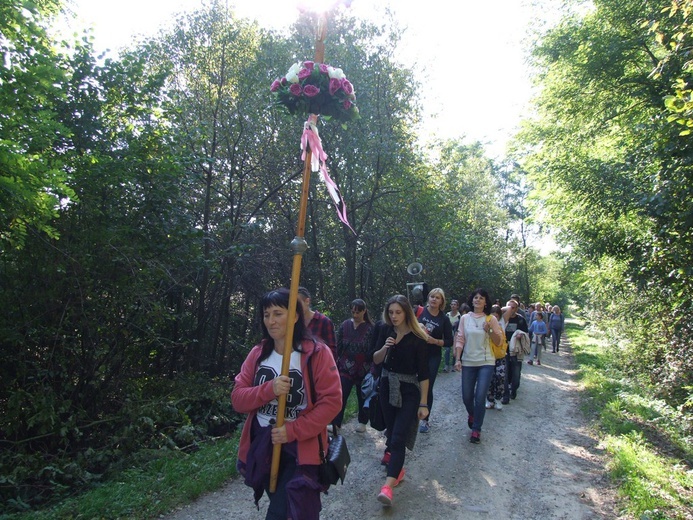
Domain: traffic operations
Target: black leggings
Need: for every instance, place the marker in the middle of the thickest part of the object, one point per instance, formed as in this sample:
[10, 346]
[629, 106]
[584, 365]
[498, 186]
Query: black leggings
[398, 421]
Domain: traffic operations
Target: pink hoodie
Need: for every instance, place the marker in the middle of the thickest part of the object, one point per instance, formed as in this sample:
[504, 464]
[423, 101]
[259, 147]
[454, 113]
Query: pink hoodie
[246, 398]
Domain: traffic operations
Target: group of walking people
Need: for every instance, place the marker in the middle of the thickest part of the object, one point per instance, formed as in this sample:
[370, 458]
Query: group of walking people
[404, 349]
[545, 321]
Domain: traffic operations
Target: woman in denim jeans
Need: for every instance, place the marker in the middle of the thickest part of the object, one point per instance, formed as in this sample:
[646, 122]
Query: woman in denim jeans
[473, 356]
[556, 326]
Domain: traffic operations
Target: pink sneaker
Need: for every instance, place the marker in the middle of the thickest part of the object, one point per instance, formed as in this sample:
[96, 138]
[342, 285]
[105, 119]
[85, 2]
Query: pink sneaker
[386, 459]
[385, 496]
[400, 477]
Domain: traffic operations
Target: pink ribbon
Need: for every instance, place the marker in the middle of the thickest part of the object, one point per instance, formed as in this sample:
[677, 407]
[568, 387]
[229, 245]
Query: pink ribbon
[311, 138]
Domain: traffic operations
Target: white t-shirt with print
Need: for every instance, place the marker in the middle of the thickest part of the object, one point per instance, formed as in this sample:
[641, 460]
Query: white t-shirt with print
[295, 399]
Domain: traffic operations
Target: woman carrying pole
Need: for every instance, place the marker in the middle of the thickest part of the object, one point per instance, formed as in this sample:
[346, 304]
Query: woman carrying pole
[256, 391]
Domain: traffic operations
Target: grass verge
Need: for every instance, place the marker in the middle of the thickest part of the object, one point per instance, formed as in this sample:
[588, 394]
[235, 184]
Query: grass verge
[648, 443]
[171, 480]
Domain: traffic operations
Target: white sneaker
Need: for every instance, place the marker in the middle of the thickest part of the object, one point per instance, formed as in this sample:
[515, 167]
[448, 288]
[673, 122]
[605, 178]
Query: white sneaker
[361, 428]
[499, 405]
[489, 404]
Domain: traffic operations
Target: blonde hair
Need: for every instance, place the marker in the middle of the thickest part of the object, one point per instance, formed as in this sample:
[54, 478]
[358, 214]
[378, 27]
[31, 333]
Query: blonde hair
[440, 293]
[409, 316]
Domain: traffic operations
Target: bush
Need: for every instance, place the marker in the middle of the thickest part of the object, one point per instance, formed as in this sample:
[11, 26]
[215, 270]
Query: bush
[66, 456]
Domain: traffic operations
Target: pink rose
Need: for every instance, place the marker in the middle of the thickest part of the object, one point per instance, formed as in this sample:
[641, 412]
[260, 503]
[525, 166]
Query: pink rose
[347, 86]
[335, 85]
[283, 81]
[311, 90]
[323, 68]
[275, 85]
[309, 65]
[346, 104]
[303, 74]
[295, 89]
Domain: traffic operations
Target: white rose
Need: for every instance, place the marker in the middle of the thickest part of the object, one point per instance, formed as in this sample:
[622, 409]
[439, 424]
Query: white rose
[292, 75]
[336, 73]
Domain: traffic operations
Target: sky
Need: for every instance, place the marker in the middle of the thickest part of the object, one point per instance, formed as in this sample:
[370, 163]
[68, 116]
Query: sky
[469, 55]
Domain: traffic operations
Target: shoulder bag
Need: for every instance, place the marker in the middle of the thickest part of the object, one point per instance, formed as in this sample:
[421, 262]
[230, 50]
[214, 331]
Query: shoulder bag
[500, 349]
[334, 463]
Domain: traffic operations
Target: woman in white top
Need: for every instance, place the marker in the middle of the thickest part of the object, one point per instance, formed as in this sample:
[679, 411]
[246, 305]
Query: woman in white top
[474, 357]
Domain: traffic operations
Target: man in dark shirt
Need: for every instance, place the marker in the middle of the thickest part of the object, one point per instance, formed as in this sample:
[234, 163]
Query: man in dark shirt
[513, 366]
[319, 325]
[521, 309]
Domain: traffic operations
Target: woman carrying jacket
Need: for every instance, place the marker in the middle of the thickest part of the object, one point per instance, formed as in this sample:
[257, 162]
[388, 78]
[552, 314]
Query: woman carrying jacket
[256, 390]
[354, 357]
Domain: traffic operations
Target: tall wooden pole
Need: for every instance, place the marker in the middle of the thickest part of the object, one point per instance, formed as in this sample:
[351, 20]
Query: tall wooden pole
[298, 246]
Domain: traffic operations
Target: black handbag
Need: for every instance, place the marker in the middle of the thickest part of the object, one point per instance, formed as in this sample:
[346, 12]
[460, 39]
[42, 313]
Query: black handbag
[334, 463]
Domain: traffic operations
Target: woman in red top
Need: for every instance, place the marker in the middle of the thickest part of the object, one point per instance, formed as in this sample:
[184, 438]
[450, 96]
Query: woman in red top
[256, 391]
[354, 358]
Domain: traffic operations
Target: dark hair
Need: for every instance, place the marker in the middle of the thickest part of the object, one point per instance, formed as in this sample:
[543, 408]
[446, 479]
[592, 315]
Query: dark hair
[360, 305]
[280, 298]
[487, 298]
[464, 308]
[304, 292]
[496, 309]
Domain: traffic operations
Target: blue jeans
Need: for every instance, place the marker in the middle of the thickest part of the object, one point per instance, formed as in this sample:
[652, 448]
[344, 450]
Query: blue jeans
[433, 366]
[513, 372]
[555, 339]
[447, 357]
[475, 384]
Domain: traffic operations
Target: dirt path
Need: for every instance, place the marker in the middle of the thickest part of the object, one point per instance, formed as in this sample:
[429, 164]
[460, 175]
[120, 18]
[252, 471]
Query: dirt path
[537, 460]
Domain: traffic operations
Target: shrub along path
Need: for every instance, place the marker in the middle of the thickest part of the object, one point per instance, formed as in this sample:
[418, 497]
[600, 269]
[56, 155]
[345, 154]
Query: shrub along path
[537, 459]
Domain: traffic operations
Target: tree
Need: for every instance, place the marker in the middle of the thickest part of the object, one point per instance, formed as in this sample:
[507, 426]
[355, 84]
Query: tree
[611, 171]
[470, 247]
[83, 308]
[32, 85]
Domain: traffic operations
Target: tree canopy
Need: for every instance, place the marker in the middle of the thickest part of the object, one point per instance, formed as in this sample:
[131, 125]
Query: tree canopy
[613, 171]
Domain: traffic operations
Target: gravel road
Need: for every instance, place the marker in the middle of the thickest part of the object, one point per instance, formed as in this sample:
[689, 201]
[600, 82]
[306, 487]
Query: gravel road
[538, 459]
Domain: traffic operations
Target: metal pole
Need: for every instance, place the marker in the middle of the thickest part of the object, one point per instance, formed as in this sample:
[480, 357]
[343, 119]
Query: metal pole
[298, 246]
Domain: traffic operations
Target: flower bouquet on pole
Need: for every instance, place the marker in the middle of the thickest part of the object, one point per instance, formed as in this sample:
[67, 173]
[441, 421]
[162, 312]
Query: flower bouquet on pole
[316, 88]
[310, 89]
